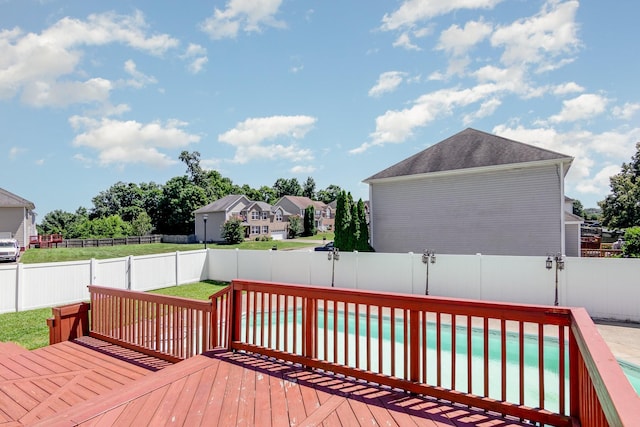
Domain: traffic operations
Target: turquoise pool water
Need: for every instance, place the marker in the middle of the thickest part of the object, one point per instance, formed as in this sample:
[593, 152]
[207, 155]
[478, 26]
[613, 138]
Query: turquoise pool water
[531, 362]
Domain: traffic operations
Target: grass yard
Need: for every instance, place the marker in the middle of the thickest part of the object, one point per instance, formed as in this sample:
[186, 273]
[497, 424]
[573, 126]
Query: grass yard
[200, 290]
[34, 255]
[29, 328]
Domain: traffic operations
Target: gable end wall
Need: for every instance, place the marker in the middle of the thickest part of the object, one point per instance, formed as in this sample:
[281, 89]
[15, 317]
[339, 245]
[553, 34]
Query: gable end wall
[513, 212]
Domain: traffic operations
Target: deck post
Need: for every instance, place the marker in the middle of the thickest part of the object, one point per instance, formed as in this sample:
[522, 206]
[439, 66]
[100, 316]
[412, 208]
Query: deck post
[68, 322]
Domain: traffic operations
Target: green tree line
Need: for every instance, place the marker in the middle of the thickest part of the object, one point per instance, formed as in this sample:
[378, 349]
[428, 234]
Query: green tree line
[130, 209]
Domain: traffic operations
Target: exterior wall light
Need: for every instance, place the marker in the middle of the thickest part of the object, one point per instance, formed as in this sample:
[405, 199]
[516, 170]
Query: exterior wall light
[428, 257]
[558, 258]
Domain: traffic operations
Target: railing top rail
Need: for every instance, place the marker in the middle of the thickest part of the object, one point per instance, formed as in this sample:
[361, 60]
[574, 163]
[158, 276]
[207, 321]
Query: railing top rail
[619, 400]
[495, 310]
[155, 298]
[221, 292]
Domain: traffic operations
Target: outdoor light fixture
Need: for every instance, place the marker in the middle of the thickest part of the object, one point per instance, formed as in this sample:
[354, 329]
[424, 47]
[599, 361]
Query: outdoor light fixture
[428, 257]
[334, 256]
[204, 218]
[559, 260]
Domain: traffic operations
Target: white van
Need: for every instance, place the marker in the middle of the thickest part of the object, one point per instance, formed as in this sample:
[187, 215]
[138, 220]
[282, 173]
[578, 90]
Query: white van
[9, 250]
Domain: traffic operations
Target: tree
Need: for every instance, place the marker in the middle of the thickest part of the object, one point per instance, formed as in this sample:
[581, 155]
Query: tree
[329, 194]
[342, 222]
[621, 208]
[141, 225]
[295, 226]
[267, 194]
[287, 187]
[233, 231]
[106, 227]
[197, 175]
[180, 197]
[123, 199]
[362, 242]
[309, 188]
[309, 221]
[61, 222]
[578, 209]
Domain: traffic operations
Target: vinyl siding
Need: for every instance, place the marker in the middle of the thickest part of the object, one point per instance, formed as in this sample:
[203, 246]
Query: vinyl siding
[507, 212]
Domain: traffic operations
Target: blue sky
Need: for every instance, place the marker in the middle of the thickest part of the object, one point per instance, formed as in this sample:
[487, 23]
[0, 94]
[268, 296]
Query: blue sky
[95, 92]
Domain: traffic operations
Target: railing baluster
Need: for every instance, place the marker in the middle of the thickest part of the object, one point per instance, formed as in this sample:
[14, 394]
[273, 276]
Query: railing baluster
[503, 359]
[438, 350]
[469, 355]
[392, 326]
[521, 359]
[453, 352]
[541, 365]
[485, 331]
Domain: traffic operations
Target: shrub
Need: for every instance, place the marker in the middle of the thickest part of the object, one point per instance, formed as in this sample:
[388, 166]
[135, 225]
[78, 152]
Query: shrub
[631, 247]
[233, 231]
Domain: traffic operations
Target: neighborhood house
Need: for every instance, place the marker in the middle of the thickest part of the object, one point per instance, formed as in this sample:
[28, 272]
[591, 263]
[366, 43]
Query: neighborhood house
[259, 218]
[17, 218]
[474, 192]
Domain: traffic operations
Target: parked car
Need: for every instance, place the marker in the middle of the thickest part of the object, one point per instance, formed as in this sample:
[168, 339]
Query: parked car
[9, 250]
[327, 247]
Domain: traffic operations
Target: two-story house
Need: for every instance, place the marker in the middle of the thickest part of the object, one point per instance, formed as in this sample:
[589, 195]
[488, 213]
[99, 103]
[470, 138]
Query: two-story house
[296, 205]
[262, 219]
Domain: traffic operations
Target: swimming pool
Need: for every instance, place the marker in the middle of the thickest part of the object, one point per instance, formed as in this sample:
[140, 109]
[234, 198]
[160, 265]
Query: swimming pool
[332, 350]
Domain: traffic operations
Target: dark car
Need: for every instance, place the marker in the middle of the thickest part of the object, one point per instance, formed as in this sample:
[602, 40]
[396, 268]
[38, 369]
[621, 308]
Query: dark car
[327, 247]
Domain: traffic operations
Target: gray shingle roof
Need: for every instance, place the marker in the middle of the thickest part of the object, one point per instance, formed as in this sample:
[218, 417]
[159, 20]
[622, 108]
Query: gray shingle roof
[470, 148]
[220, 205]
[10, 200]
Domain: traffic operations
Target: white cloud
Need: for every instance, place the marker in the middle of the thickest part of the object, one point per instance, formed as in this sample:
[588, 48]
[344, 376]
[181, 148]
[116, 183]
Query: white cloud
[60, 94]
[14, 152]
[486, 109]
[566, 88]
[248, 138]
[404, 41]
[627, 111]
[246, 15]
[540, 39]
[198, 56]
[457, 41]
[387, 82]
[299, 169]
[121, 142]
[395, 126]
[412, 11]
[36, 64]
[583, 107]
[138, 79]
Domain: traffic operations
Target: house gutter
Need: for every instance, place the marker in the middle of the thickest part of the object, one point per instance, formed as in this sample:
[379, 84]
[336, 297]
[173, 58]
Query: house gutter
[466, 171]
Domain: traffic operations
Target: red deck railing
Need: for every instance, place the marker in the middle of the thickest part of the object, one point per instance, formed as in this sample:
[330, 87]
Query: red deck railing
[167, 327]
[459, 350]
[540, 363]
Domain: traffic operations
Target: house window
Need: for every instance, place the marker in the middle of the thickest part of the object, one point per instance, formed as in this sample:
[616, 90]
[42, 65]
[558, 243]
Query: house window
[265, 229]
[265, 215]
[255, 215]
[255, 229]
[278, 216]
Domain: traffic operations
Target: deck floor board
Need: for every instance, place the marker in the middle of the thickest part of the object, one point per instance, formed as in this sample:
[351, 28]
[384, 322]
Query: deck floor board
[90, 383]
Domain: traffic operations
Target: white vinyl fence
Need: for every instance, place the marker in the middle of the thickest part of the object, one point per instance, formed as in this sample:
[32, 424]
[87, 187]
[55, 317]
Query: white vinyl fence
[607, 287]
[29, 286]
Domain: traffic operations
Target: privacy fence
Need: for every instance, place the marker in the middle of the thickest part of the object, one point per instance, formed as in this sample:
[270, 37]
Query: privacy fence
[606, 287]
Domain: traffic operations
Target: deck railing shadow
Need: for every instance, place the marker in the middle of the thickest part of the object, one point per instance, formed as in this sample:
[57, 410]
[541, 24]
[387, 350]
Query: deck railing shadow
[541, 363]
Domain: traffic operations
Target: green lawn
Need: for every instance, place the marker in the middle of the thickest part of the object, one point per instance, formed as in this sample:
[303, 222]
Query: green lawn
[33, 256]
[29, 328]
[327, 235]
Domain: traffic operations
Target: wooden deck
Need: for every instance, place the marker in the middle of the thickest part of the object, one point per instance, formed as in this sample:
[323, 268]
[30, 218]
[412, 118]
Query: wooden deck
[89, 382]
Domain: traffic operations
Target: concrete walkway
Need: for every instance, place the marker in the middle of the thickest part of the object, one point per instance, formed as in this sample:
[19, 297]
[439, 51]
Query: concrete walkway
[623, 339]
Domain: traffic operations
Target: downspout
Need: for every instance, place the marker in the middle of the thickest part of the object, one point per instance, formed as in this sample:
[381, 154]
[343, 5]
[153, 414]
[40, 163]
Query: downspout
[562, 224]
[371, 234]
